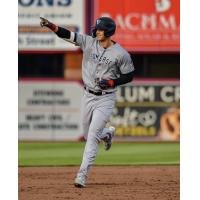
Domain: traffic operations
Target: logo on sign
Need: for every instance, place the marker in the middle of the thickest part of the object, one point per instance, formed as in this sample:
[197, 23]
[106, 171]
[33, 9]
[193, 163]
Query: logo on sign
[41, 3]
[163, 5]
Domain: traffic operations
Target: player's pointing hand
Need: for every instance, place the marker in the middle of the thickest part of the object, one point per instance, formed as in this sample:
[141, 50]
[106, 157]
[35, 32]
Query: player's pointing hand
[44, 22]
[48, 24]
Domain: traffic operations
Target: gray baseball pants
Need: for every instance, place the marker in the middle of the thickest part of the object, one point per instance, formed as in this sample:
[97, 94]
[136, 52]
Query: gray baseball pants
[96, 113]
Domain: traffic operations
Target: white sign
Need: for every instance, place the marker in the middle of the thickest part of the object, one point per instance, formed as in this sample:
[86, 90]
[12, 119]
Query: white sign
[65, 13]
[50, 110]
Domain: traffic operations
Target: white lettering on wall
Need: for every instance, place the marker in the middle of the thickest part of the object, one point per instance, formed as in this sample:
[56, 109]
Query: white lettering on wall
[136, 21]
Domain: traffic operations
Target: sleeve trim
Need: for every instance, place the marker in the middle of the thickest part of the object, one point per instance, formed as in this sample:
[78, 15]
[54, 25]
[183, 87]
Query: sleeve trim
[72, 36]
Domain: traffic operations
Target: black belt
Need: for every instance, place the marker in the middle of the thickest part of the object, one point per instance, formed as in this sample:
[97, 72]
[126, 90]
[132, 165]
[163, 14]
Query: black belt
[96, 93]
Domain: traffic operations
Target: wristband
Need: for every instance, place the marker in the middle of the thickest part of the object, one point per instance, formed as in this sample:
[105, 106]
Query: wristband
[52, 26]
[111, 83]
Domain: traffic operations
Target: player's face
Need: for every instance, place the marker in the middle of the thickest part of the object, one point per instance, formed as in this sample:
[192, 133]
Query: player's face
[100, 35]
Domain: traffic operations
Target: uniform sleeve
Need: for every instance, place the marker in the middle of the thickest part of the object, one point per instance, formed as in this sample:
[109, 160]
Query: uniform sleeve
[84, 41]
[126, 64]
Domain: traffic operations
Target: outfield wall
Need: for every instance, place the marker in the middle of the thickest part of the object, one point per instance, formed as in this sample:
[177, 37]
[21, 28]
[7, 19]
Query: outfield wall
[49, 110]
[145, 110]
[148, 110]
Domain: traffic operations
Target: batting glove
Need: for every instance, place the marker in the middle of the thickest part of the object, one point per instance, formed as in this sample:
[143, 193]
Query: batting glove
[45, 22]
[105, 84]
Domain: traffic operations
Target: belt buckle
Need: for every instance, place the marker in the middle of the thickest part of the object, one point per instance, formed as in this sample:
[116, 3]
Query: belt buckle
[103, 92]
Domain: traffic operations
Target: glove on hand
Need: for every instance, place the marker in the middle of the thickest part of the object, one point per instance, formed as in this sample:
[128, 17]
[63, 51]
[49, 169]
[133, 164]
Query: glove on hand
[45, 22]
[105, 84]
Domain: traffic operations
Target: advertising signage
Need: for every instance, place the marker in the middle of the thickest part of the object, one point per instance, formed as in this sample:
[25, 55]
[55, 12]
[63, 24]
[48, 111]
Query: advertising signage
[148, 111]
[65, 13]
[144, 25]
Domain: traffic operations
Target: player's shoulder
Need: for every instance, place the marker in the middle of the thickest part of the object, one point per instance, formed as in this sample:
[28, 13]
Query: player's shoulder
[121, 51]
[86, 36]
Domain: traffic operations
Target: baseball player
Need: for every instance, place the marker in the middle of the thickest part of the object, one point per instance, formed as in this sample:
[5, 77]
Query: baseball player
[105, 65]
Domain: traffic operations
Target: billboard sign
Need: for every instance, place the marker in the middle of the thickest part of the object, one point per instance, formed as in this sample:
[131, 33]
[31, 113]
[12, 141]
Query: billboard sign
[49, 110]
[65, 13]
[152, 25]
[147, 111]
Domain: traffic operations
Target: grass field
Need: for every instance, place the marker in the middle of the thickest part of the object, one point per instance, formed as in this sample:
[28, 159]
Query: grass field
[70, 153]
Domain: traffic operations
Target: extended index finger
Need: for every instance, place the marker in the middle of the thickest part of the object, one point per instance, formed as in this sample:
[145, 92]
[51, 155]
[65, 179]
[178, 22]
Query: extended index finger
[42, 18]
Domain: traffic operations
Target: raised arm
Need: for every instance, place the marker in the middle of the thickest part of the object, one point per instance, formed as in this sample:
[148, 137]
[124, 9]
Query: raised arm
[59, 31]
[45, 23]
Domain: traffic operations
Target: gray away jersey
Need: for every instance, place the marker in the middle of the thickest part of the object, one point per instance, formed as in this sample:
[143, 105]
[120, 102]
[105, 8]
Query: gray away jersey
[102, 63]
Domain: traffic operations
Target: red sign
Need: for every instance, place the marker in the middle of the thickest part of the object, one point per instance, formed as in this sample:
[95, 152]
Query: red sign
[143, 25]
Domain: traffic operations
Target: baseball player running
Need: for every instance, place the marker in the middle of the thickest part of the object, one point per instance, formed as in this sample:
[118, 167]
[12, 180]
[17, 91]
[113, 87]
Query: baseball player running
[105, 65]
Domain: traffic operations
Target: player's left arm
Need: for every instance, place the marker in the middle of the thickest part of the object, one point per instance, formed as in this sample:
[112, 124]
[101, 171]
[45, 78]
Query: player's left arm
[126, 76]
[111, 83]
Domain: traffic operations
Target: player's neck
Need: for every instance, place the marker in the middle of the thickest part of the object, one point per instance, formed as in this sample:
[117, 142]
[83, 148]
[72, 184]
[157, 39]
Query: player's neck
[106, 43]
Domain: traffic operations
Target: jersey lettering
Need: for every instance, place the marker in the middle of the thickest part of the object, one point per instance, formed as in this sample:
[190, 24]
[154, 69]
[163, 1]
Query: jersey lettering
[100, 59]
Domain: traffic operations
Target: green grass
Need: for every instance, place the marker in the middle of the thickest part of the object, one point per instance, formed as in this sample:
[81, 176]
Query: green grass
[70, 153]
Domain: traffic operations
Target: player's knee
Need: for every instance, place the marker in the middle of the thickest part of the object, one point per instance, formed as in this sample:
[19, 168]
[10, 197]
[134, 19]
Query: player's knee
[94, 136]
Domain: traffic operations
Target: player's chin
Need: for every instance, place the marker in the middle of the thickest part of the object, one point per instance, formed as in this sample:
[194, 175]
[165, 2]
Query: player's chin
[101, 39]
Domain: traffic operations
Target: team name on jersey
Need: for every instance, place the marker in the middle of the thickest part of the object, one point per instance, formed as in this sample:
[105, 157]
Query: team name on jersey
[100, 59]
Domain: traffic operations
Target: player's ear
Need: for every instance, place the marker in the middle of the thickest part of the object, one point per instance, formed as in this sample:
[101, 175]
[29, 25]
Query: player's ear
[94, 32]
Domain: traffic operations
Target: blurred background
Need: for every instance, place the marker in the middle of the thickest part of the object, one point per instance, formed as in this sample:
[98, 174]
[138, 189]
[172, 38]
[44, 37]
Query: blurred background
[50, 84]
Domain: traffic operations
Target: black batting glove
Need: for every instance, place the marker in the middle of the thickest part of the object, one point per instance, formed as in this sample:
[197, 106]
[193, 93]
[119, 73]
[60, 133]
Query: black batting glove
[105, 84]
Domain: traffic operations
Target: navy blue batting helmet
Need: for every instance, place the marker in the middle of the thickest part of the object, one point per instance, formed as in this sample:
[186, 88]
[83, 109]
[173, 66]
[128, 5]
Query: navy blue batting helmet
[105, 24]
